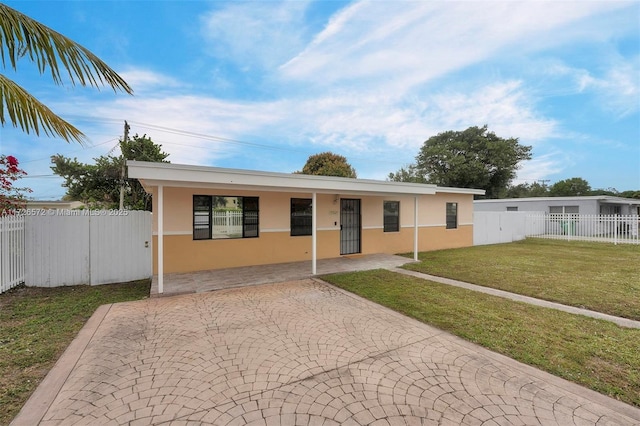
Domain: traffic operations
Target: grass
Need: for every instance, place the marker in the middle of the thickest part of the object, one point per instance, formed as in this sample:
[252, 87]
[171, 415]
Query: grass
[597, 276]
[36, 326]
[594, 353]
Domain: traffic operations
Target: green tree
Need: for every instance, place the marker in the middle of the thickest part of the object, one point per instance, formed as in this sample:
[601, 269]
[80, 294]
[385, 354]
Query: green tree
[472, 158]
[570, 187]
[328, 164]
[98, 185]
[408, 173]
[630, 194]
[22, 37]
[524, 190]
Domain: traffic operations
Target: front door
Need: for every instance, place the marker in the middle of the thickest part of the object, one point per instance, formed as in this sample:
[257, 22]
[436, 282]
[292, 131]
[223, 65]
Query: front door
[349, 226]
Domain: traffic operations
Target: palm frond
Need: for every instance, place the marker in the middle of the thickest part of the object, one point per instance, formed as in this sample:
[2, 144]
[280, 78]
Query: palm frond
[28, 113]
[22, 36]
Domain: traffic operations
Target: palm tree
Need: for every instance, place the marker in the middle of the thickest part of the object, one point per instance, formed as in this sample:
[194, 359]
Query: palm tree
[22, 37]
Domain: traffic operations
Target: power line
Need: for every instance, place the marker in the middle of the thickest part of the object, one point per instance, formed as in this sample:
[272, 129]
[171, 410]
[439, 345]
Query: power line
[72, 152]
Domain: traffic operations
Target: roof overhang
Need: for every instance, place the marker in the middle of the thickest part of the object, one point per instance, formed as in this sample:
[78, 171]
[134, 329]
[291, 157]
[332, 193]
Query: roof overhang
[151, 174]
[608, 199]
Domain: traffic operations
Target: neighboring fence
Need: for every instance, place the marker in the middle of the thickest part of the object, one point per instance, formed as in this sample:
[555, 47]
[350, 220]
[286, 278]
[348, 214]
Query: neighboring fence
[12, 258]
[70, 247]
[504, 227]
[608, 228]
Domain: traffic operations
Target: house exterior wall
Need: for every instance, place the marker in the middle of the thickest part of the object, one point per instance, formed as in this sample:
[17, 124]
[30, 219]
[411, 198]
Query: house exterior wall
[275, 244]
[584, 206]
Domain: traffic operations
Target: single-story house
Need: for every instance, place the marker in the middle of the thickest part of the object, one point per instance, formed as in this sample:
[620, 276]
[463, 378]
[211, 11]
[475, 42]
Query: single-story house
[210, 218]
[588, 205]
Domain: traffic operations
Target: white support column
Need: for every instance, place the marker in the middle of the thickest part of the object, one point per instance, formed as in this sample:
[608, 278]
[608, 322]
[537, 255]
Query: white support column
[415, 228]
[314, 232]
[160, 240]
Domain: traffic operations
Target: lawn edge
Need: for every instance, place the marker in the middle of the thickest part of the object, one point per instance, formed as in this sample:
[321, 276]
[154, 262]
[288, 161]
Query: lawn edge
[41, 399]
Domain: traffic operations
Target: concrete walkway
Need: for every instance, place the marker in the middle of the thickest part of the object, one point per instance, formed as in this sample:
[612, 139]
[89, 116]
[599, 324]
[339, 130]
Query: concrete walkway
[622, 322]
[295, 353]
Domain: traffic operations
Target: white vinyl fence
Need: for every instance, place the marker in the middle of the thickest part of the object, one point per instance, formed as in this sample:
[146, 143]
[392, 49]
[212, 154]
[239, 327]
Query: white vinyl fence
[11, 252]
[607, 228]
[504, 227]
[70, 247]
[498, 227]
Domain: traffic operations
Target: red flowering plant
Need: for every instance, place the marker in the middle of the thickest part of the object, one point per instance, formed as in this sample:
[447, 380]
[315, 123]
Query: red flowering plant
[11, 198]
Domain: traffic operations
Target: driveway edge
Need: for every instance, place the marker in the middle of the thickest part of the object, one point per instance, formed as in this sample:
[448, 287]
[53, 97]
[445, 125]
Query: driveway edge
[41, 399]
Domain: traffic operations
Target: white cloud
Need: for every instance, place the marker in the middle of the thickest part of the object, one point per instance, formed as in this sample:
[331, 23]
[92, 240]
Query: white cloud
[262, 34]
[142, 79]
[406, 43]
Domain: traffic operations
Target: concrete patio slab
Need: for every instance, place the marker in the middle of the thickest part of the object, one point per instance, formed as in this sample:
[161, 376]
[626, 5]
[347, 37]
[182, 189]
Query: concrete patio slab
[201, 281]
[296, 353]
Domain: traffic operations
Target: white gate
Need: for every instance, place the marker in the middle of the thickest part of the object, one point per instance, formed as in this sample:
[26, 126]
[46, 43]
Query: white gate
[71, 247]
[11, 252]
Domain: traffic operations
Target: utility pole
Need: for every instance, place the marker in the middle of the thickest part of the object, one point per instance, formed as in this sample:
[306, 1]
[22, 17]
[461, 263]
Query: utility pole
[544, 181]
[124, 161]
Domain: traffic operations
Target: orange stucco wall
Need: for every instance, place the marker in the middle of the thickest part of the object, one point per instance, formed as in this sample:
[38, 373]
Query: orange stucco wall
[275, 245]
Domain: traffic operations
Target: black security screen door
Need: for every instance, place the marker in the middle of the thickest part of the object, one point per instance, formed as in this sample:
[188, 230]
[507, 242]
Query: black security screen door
[349, 226]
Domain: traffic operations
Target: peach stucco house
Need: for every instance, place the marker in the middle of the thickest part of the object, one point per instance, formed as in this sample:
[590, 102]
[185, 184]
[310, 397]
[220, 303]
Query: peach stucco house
[210, 218]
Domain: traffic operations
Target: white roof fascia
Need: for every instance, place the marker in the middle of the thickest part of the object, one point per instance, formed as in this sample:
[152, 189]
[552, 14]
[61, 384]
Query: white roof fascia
[177, 175]
[607, 198]
[451, 190]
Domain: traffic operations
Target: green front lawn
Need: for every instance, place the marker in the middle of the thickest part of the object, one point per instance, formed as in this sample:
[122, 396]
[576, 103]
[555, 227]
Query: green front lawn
[590, 352]
[597, 276]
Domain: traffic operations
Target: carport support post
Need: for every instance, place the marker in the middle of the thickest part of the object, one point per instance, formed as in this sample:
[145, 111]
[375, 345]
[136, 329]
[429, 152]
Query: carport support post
[314, 232]
[160, 240]
[415, 228]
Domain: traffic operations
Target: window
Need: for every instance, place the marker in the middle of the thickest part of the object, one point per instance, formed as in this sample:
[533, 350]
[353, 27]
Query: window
[512, 209]
[564, 209]
[452, 215]
[222, 217]
[301, 220]
[391, 216]
[610, 209]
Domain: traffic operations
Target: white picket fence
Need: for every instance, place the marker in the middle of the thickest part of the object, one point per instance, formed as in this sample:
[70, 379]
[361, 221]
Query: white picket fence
[71, 247]
[12, 259]
[607, 228]
[505, 227]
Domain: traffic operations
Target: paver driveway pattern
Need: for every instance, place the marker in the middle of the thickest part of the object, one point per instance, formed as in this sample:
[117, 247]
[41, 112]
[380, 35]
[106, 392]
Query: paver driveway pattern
[303, 353]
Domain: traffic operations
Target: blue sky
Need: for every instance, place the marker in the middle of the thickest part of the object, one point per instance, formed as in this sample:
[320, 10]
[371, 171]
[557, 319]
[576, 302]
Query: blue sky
[264, 84]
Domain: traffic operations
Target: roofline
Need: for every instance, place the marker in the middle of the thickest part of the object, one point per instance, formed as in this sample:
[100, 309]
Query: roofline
[610, 198]
[152, 174]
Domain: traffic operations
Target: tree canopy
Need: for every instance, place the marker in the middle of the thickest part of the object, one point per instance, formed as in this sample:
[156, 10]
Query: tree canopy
[570, 187]
[22, 37]
[472, 158]
[328, 164]
[98, 185]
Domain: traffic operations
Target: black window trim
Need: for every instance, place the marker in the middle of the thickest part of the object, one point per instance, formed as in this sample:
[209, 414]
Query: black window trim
[391, 227]
[245, 224]
[448, 221]
[305, 231]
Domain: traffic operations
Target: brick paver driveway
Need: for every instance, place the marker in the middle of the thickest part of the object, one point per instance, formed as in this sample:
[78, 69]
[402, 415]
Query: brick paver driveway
[302, 353]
